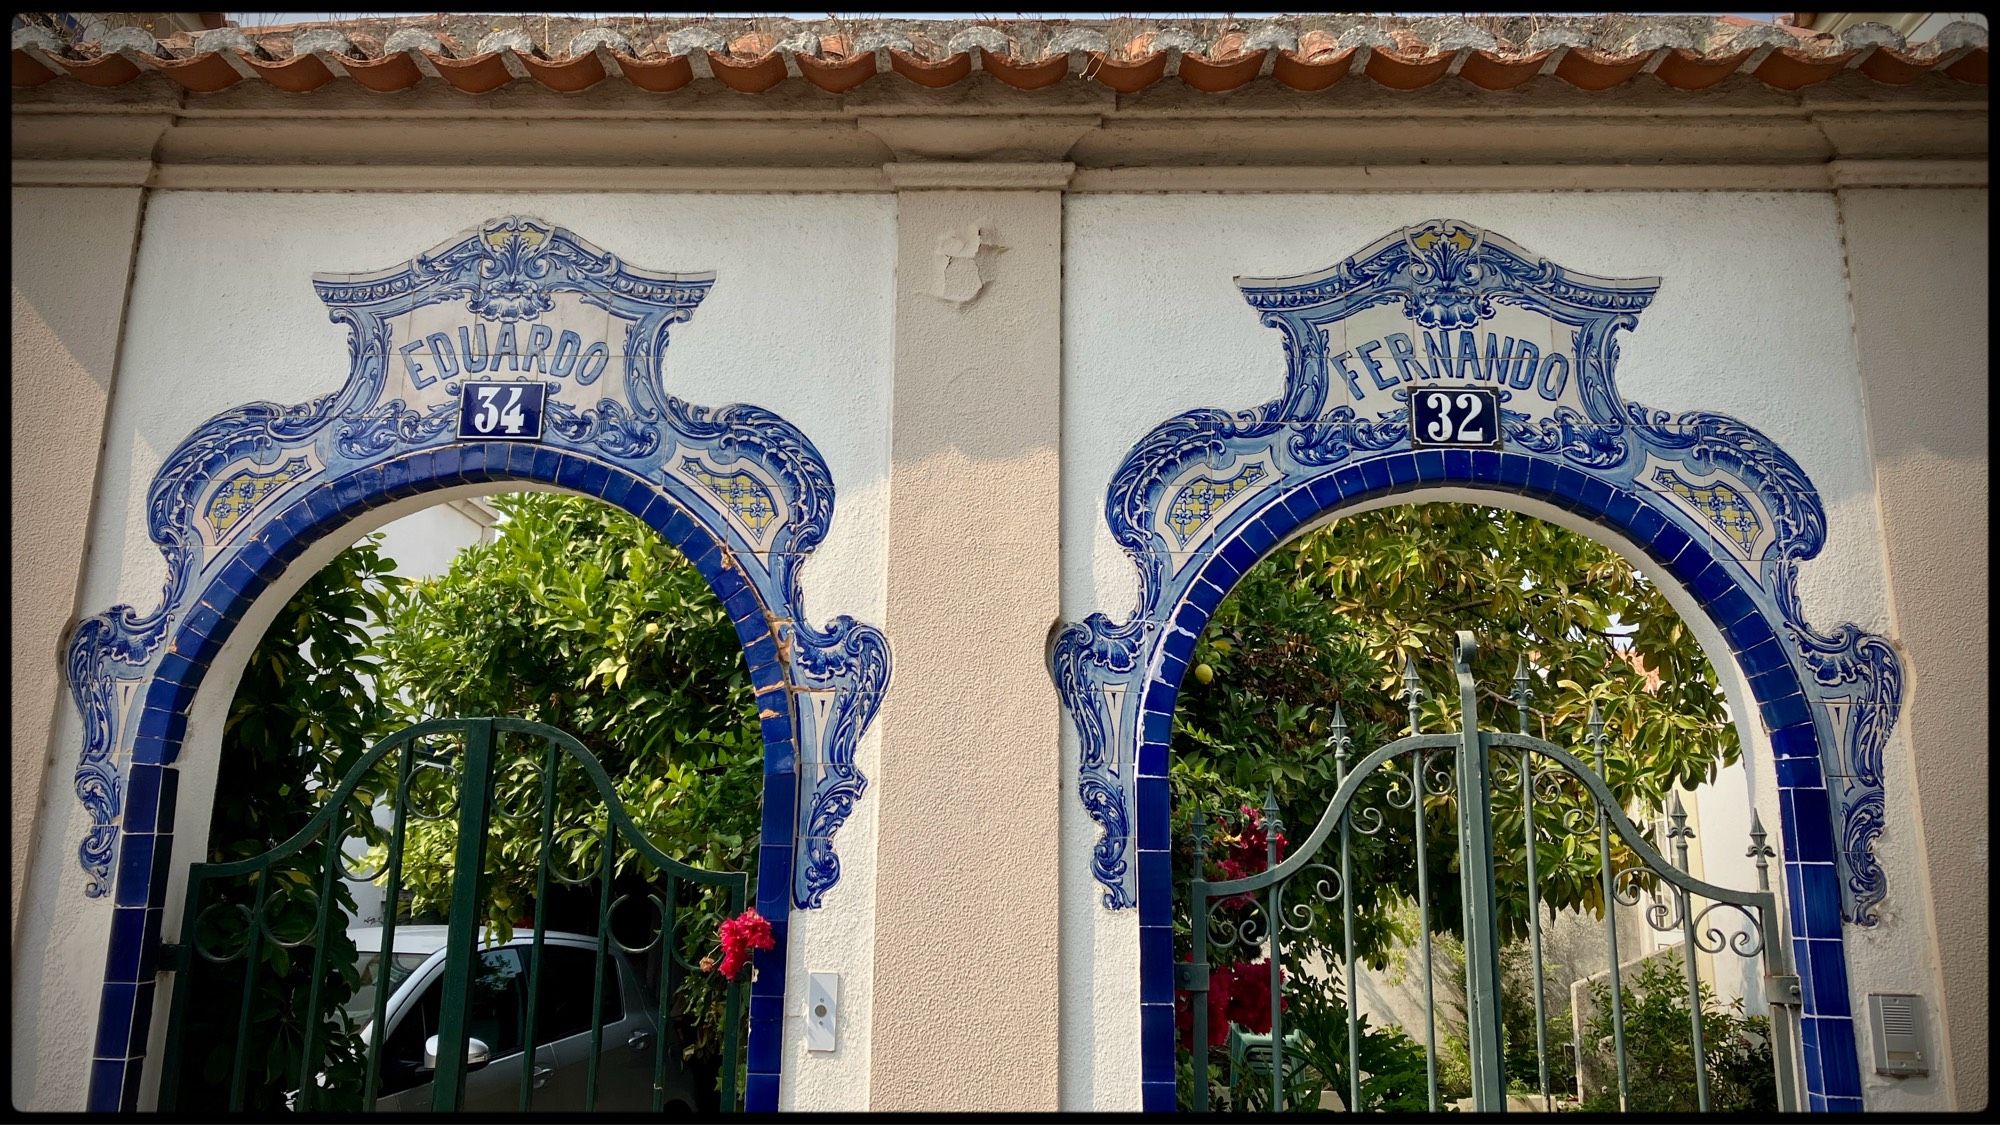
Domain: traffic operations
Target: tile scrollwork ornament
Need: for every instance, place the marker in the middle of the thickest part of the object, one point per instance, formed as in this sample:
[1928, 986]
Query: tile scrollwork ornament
[515, 300]
[1423, 310]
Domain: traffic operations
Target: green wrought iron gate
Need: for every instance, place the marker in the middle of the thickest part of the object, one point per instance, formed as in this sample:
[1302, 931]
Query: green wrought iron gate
[1466, 768]
[250, 917]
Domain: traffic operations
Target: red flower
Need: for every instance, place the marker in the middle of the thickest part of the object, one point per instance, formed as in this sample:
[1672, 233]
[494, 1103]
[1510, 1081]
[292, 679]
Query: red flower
[741, 934]
[1238, 994]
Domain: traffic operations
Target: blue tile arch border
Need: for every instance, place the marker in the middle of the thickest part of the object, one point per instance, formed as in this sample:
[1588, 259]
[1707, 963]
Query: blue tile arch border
[284, 477]
[1733, 541]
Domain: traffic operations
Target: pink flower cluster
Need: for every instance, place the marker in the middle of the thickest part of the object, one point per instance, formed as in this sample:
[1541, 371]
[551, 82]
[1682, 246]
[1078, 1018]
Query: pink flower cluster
[1238, 994]
[1244, 853]
[741, 934]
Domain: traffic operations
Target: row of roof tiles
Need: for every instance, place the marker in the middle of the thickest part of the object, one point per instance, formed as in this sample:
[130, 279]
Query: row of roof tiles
[1690, 53]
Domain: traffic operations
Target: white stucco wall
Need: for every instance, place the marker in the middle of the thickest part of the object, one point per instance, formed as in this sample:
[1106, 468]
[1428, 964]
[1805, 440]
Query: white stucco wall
[223, 312]
[1752, 320]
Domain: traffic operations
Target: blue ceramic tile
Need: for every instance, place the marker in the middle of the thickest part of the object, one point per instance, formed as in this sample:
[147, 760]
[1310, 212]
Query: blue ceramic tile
[1692, 565]
[1156, 726]
[1732, 606]
[1258, 537]
[1620, 508]
[1713, 581]
[256, 555]
[1204, 597]
[1485, 465]
[1775, 683]
[1156, 888]
[1172, 669]
[1829, 975]
[1788, 830]
[1374, 476]
[760, 1093]
[1843, 1105]
[1815, 1103]
[155, 751]
[107, 1085]
[1750, 632]
[1240, 555]
[1325, 491]
[1820, 886]
[766, 1006]
[320, 506]
[1160, 697]
[1402, 469]
[1155, 815]
[763, 1053]
[1178, 645]
[1789, 711]
[1801, 956]
[114, 1021]
[199, 620]
[1457, 464]
[142, 1019]
[1646, 524]
[776, 728]
[620, 489]
[1541, 481]
[780, 793]
[1762, 657]
[519, 459]
[135, 870]
[1800, 740]
[1839, 1061]
[1668, 543]
[1808, 1027]
[1152, 758]
[1797, 772]
[168, 725]
[573, 472]
[350, 495]
[142, 797]
[1349, 480]
[744, 606]
[176, 669]
[1430, 464]
[1814, 811]
[128, 933]
[1156, 1028]
[1593, 496]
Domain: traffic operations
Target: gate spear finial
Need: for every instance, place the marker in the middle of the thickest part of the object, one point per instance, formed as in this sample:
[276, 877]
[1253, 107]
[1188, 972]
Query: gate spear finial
[1760, 851]
[1521, 691]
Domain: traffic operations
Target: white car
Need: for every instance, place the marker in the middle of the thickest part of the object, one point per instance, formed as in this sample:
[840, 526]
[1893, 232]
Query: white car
[497, 1015]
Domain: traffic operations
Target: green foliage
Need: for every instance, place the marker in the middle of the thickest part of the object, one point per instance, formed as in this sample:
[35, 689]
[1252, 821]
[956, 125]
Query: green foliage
[1394, 1077]
[302, 716]
[1521, 1055]
[581, 617]
[1659, 1047]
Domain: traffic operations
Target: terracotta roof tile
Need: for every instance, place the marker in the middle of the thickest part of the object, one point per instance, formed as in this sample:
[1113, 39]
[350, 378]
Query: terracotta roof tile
[1305, 53]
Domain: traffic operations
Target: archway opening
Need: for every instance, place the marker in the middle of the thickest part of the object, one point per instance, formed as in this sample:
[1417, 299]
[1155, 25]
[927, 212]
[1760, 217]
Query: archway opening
[684, 750]
[1303, 670]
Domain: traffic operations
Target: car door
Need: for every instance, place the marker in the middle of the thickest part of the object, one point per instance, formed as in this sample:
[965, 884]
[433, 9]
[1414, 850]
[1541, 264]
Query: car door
[625, 1059]
[494, 1007]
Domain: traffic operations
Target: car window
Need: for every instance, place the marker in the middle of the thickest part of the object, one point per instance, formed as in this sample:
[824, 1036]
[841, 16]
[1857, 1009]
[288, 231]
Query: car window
[565, 988]
[493, 1016]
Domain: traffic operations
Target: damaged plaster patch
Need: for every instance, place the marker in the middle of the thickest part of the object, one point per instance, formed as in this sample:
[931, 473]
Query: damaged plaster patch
[963, 263]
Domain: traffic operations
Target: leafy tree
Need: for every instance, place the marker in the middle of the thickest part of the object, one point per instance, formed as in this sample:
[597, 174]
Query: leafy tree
[580, 616]
[1332, 618]
[303, 715]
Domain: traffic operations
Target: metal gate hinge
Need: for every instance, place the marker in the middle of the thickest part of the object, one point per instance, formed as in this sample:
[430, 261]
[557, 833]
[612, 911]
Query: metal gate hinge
[1783, 989]
[175, 957]
[1186, 980]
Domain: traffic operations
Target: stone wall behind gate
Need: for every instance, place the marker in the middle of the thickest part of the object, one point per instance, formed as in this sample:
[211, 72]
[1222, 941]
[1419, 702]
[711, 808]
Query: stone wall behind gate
[884, 325]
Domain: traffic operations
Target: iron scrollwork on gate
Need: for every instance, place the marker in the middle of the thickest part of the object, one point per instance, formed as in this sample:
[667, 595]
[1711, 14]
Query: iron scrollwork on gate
[1466, 768]
[457, 774]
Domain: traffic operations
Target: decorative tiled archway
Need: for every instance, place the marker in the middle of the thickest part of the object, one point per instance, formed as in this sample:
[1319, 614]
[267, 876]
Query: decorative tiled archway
[1722, 510]
[741, 492]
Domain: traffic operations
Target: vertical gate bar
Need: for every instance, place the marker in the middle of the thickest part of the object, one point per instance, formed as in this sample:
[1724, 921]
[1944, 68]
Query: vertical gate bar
[1596, 724]
[1482, 967]
[1680, 832]
[253, 956]
[1276, 923]
[1198, 974]
[732, 1018]
[664, 1047]
[1341, 743]
[1521, 686]
[391, 906]
[468, 864]
[1777, 971]
[550, 762]
[322, 937]
[1420, 762]
[608, 841]
[170, 1074]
